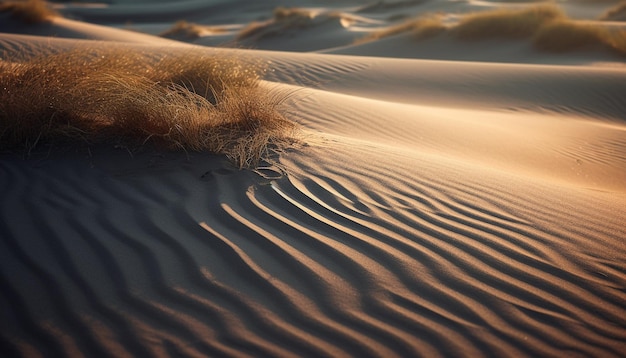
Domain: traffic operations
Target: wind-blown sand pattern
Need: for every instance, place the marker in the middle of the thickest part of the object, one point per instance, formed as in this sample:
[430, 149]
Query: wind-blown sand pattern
[441, 203]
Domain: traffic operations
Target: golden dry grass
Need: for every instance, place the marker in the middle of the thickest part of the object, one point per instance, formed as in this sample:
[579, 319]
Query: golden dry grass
[283, 13]
[617, 42]
[421, 28]
[615, 13]
[494, 23]
[206, 75]
[286, 19]
[567, 35]
[505, 23]
[546, 25]
[29, 11]
[252, 29]
[283, 19]
[189, 30]
[428, 27]
[185, 101]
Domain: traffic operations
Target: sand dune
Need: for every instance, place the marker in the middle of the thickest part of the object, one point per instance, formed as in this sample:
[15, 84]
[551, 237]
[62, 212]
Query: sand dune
[451, 203]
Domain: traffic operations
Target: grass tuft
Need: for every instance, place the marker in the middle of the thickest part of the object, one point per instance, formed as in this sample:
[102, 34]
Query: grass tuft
[283, 13]
[506, 23]
[29, 11]
[189, 30]
[283, 19]
[253, 29]
[428, 27]
[615, 13]
[188, 101]
[421, 28]
[616, 41]
[567, 35]
[547, 26]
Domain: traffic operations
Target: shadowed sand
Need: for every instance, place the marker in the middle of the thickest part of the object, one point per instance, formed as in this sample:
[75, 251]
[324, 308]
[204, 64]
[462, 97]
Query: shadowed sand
[431, 207]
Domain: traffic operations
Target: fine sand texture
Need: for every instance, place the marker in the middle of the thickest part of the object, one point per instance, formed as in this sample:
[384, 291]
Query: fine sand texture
[328, 179]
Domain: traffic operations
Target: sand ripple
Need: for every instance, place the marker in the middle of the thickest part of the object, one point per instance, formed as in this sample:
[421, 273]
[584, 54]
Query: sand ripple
[183, 260]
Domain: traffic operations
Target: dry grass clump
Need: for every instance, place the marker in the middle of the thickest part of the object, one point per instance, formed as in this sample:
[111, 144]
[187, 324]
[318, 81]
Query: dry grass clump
[124, 96]
[506, 23]
[189, 30]
[567, 35]
[617, 42]
[496, 23]
[207, 75]
[252, 29]
[428, 27]
[382, 5]
[421, 28]
[284, 13]
[283, 19]
[29, 11]
[286, 19]
[615, 13]
[548, 27]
